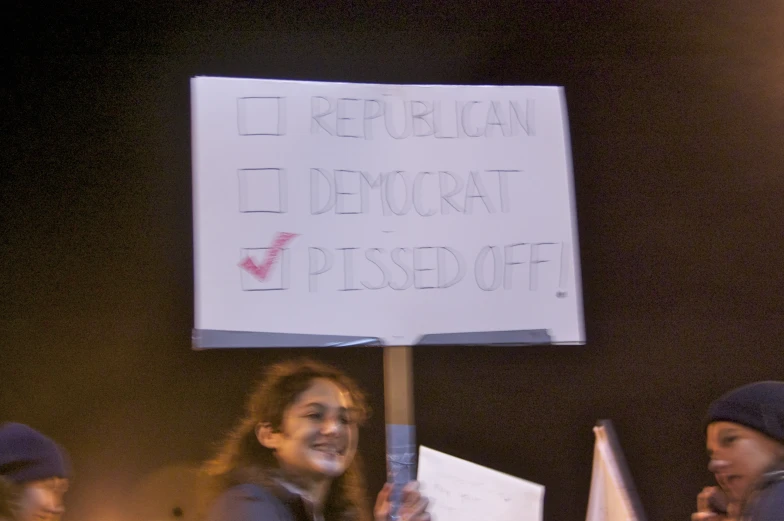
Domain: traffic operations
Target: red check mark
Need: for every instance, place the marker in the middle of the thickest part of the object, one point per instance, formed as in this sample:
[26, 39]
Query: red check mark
[261, 271]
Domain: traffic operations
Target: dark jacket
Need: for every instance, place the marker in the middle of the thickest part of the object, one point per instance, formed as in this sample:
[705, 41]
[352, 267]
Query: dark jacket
[767, 502]
[251, 502]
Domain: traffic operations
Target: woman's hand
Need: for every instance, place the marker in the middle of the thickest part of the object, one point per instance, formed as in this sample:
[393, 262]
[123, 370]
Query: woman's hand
[413, 506]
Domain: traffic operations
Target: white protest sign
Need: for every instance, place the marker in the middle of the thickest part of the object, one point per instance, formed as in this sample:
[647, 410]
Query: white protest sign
[332, 213]
[463, 491]
[612, 496]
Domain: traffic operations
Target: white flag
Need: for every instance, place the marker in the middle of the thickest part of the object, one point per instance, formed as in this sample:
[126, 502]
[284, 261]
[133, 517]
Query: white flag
[612, 497]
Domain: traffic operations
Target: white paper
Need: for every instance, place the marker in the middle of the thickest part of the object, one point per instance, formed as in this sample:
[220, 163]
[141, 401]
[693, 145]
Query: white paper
[463, 491]
[417, 210]
[609, 499]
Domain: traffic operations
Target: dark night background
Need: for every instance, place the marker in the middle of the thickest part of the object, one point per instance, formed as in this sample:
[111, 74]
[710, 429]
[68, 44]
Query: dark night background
[677, 116]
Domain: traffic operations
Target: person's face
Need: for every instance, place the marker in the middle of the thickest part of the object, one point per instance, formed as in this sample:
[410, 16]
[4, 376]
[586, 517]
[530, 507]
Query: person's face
[318, 436]
[739, 456]
[43, 500]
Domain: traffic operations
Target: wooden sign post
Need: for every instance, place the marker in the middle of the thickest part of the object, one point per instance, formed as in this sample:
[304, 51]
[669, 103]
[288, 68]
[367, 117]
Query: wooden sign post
[399, 416]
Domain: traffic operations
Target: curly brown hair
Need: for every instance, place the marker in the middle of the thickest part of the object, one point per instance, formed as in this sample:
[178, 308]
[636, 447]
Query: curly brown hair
[242, 459]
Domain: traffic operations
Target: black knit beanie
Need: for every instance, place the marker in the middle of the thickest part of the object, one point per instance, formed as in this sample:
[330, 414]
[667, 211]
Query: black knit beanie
[28, 455]
[759, 406]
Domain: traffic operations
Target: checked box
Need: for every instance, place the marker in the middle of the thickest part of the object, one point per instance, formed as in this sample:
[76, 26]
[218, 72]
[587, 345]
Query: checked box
[276, 279]
[261, 116]
[263, 190]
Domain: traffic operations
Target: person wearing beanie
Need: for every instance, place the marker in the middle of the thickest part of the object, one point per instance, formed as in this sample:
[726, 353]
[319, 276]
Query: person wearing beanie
[745, 441]
[34, 475]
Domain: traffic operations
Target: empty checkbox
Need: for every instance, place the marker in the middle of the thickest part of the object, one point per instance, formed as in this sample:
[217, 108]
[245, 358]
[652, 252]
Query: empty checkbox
[263, 190]
[261, 116]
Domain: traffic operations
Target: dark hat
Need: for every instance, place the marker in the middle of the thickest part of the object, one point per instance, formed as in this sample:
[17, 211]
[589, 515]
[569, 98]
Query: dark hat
[28, 455]
[759, 406]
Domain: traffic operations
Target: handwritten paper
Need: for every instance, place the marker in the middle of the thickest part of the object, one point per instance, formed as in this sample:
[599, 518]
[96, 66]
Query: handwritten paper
[464, 491]
[383, 211]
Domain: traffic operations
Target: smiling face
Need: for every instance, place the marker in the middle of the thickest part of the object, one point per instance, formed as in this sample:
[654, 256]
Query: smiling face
[318, 436]
[42, 500]
[739, 456]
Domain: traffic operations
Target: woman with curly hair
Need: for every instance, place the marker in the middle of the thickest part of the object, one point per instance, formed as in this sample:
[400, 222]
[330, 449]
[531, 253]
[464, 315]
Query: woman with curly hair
[34, 474]
[293, 456]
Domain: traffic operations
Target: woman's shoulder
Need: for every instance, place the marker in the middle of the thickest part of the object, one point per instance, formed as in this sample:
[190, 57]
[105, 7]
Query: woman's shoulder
[251, 491]
[247, 502]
